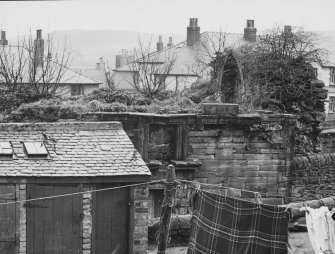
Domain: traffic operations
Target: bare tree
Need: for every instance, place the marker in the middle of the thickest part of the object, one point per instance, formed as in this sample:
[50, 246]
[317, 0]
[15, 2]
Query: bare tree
[47, 69]
[150, 69]
[106, 70]
[32, 65]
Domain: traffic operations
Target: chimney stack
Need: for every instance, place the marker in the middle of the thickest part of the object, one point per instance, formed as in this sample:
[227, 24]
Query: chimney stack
[170, 44]
[3, 41]
[122, 59]
[287, 29]
[160, 44]
[39, 48]
[193, 32]
[250, 31]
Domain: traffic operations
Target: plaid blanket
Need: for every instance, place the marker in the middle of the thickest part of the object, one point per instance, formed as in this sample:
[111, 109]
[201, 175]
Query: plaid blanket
[227, 225]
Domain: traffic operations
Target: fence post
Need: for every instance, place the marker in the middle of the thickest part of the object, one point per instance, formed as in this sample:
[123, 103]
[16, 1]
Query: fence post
[166, 211]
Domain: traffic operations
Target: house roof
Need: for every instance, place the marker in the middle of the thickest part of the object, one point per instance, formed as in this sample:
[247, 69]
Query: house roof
[75, 149]
[93, 74]
[191, 59]
[75, 77]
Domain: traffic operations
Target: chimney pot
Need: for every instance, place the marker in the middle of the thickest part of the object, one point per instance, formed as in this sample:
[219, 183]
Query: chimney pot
[250, 32]
[193, 32]
[39, 34]
[170, 44]
[287, 29]
[250, 23]
[39, 48]
[160, 44]
[3, 40]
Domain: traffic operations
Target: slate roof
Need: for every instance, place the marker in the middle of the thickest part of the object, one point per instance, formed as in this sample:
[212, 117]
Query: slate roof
[189, 58]
[75, 149]
[74, 77]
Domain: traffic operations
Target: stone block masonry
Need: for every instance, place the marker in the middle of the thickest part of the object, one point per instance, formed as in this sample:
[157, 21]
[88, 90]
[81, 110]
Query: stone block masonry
[247, 151]
[312, 177]
[87, 220]
[252, 156]
[140, 228]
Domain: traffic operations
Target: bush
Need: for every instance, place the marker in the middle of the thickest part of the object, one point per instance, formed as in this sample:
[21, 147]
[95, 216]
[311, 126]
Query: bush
[72, 108]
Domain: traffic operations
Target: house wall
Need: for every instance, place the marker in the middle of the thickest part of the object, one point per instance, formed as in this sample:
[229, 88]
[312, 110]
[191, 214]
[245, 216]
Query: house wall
[65, 90]
[123, 80]
[138, 233]
[324, 75]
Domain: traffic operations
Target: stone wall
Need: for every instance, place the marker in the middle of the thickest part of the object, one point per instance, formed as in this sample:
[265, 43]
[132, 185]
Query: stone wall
[313, 177]
[220, 146]
[140, 235]
[253, 156]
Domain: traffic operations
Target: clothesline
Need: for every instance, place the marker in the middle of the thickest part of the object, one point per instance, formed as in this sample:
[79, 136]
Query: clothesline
[79, 193]
[216, 185]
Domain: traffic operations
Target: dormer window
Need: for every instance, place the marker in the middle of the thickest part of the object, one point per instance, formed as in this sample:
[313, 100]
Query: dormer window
[36, 149]
[6, 149]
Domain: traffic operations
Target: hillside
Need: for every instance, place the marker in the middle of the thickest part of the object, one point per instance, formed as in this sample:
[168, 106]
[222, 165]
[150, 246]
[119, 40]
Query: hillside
[89, 45]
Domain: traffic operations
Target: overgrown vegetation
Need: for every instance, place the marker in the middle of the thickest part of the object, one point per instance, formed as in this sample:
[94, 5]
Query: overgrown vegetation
[100, 101]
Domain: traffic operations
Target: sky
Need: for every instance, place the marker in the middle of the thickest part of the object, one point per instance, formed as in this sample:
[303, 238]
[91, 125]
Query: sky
[164, 16]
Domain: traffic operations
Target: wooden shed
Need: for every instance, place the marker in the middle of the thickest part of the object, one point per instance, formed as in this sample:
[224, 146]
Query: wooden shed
[59, 159]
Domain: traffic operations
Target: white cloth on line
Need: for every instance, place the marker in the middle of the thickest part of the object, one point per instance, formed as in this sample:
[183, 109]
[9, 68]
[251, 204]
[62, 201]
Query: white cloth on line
[321, 230]
[331, 227]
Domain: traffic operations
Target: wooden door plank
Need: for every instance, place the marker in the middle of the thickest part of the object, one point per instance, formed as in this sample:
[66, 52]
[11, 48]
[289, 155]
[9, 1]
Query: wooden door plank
[110, 221]
[58, 221]
[67, 222]
[38, 191]
[76, 211]
[120, 220]
[7, 219]
[48, 227]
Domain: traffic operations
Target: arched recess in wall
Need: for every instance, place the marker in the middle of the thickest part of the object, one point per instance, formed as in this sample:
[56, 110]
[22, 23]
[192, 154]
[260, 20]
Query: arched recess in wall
[231, 79]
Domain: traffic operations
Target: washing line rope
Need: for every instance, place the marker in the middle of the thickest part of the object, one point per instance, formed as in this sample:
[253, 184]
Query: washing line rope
[81, 192]
[215, 185]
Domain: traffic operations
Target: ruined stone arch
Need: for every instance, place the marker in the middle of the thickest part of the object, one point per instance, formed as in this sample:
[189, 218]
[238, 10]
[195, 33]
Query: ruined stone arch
[231, 78]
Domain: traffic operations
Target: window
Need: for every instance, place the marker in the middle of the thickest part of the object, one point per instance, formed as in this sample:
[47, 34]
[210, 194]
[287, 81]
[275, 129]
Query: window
[77, 89]
[36, 149]
[315, 71]
[332, 76]
[331, 104]
[6, 149]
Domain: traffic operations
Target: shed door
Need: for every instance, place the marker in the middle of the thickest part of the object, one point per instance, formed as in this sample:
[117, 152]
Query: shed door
[7, 219]
[111, 221]
[53, 225]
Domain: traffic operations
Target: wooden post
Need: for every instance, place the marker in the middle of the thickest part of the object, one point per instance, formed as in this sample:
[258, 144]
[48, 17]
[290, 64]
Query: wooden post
[166, 211]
